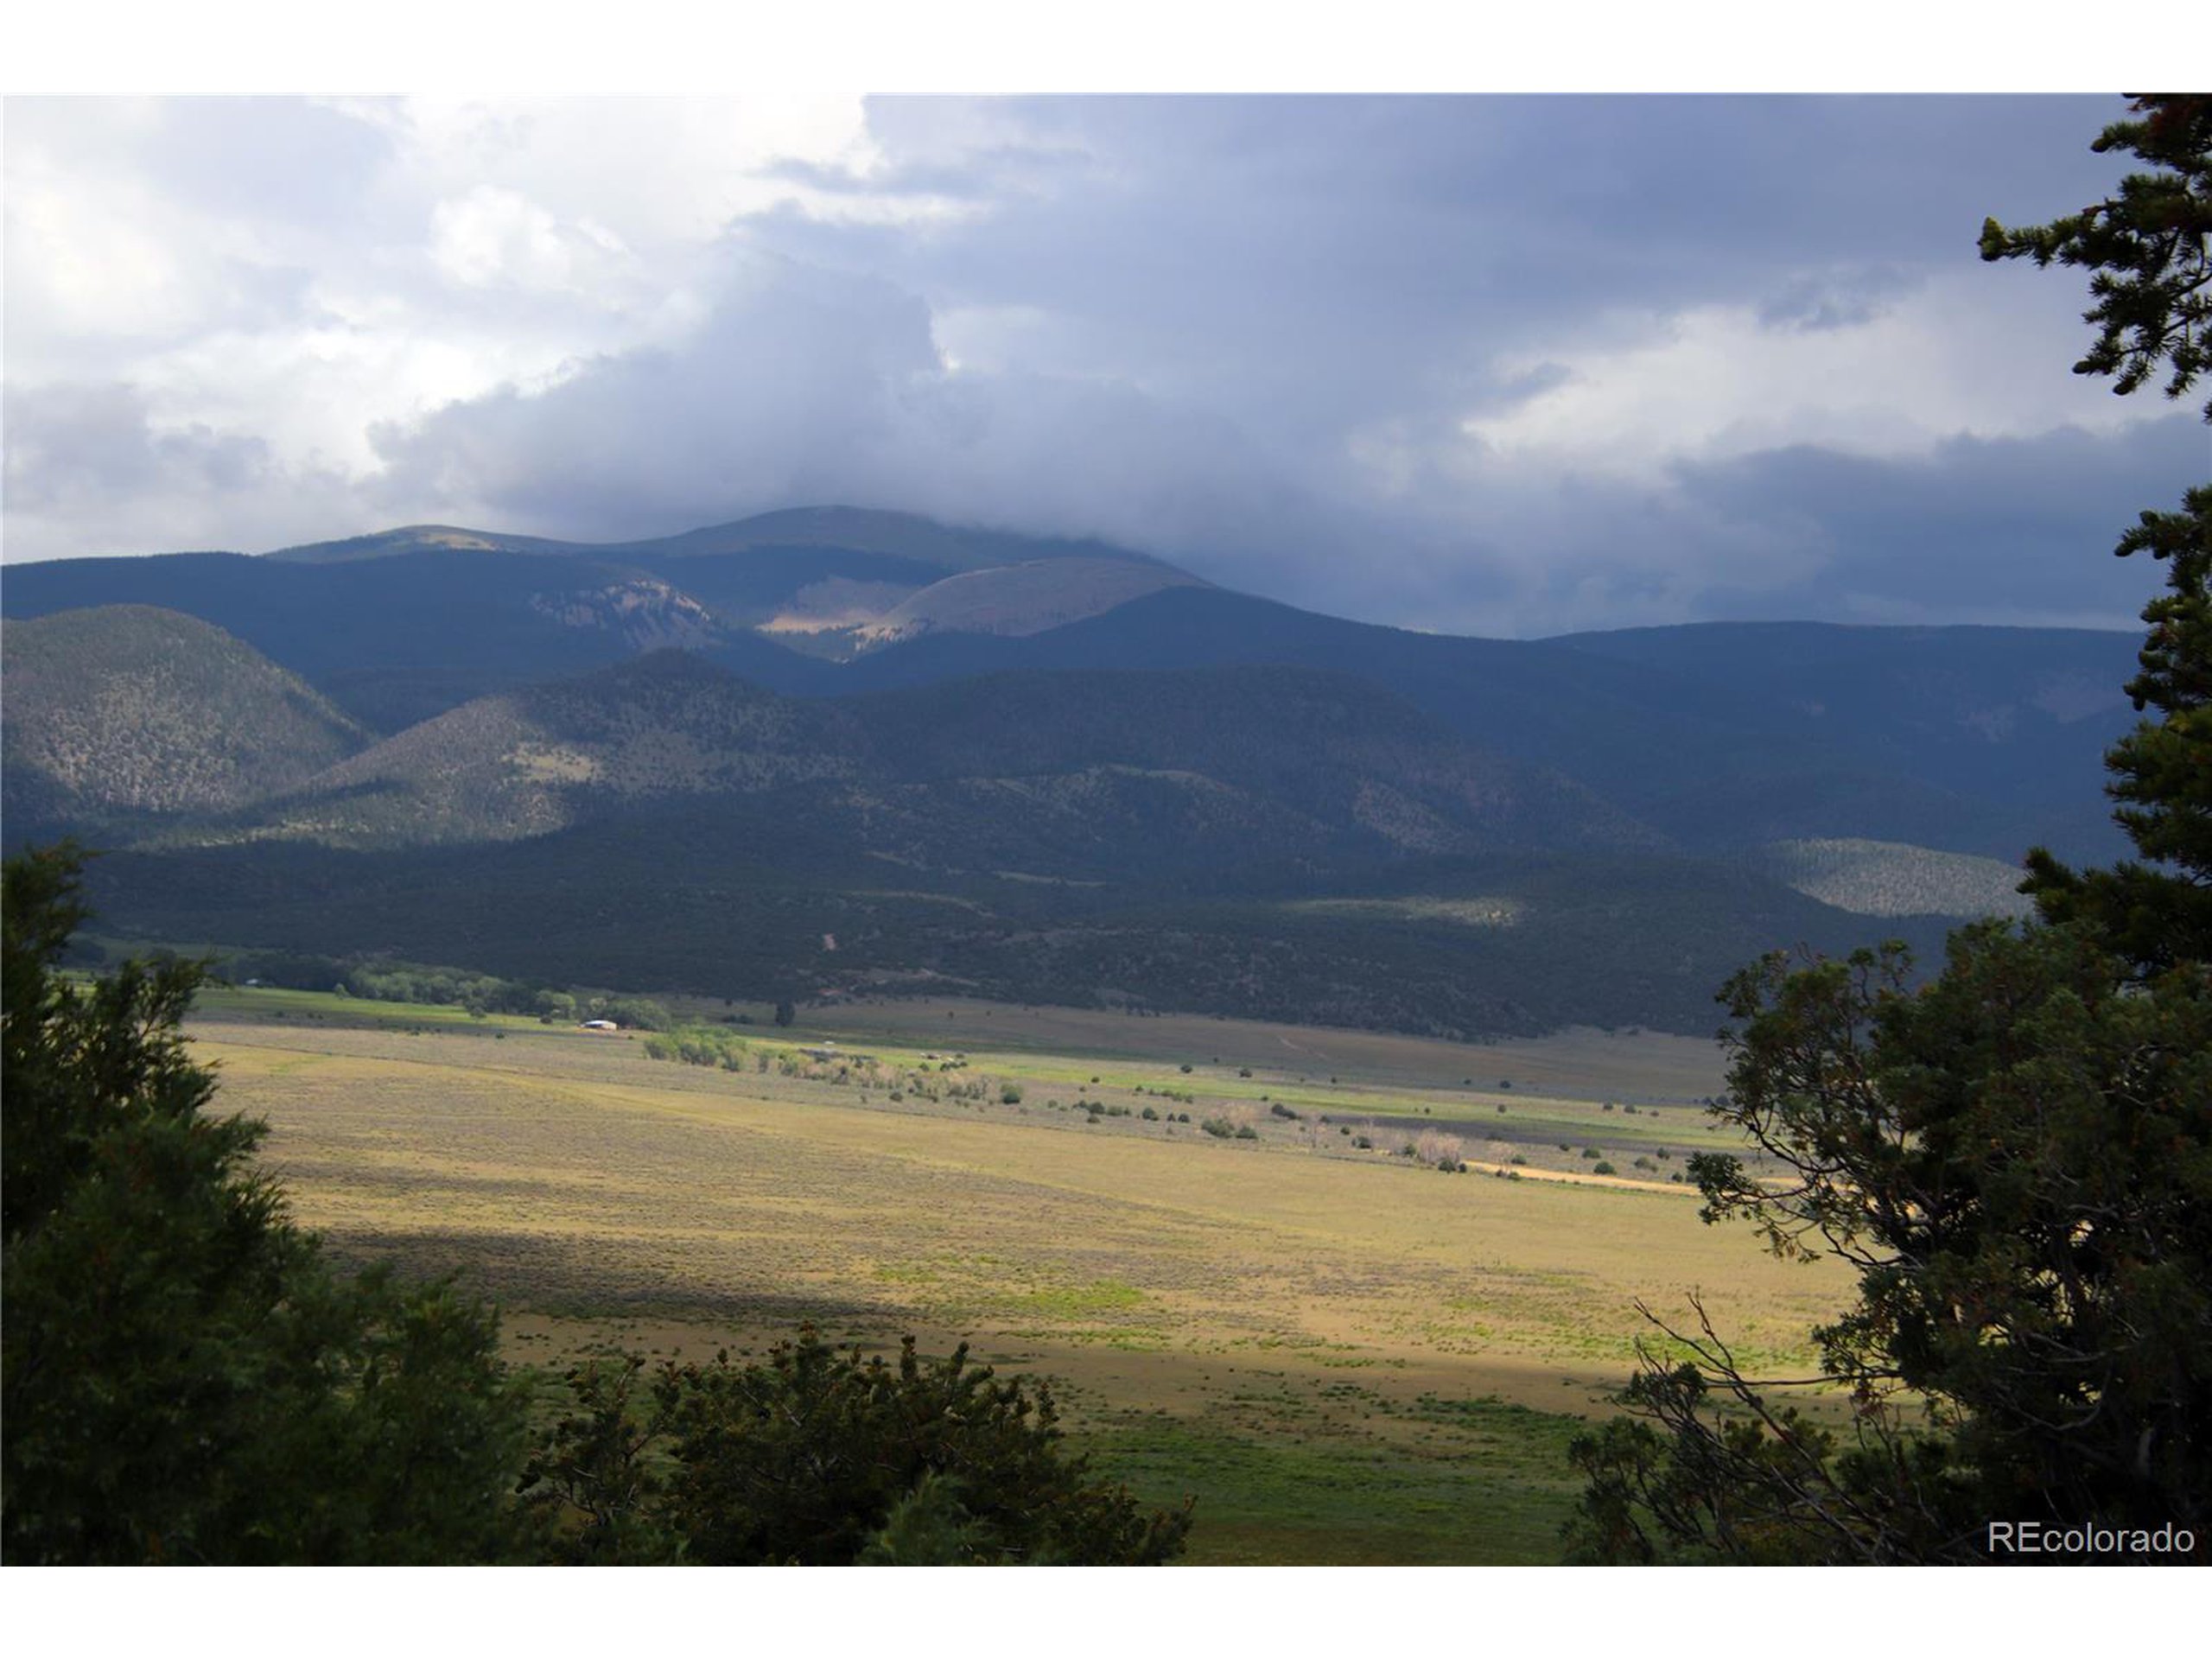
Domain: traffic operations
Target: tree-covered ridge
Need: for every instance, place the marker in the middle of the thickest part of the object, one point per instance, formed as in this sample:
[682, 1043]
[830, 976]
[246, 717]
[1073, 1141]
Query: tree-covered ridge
[1083, 774]
[1718, 736]
[131, 715]
[527, 762]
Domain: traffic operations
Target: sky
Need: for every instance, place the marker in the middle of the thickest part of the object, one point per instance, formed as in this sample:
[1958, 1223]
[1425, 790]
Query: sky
[1499, 365]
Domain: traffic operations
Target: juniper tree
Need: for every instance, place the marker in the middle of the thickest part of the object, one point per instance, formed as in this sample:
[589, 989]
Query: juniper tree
[2016, 1157]
[184, 1378]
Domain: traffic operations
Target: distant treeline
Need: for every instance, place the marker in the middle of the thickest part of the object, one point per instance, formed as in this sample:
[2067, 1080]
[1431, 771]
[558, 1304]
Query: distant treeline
[1626, 941]
[408, 982]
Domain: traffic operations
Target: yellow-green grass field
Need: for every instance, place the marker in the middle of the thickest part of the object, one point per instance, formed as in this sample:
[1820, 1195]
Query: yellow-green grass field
[1346, 1355]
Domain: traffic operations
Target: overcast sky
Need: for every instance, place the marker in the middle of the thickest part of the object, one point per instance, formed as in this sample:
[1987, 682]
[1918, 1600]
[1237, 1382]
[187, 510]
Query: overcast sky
[1507, 365]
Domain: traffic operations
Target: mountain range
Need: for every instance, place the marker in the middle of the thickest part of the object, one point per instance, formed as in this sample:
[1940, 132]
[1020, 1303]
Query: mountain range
[838, 751]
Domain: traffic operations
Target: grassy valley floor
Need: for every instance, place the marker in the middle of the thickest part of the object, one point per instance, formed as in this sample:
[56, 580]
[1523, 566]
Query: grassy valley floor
[1343, 1353]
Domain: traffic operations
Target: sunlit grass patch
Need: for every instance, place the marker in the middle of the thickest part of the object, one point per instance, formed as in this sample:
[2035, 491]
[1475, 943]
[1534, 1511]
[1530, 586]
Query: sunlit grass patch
[1493, 1489]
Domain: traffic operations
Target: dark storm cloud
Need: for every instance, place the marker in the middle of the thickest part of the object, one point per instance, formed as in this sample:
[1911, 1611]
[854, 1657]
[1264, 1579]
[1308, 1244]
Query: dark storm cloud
[805, 385]
[791, 374]
[1204, 301]
[2011, 529]
[1837, 299]
[1213, 226]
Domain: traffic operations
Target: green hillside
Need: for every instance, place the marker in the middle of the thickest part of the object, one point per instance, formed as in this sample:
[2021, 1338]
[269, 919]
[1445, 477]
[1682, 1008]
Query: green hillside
[128, 715]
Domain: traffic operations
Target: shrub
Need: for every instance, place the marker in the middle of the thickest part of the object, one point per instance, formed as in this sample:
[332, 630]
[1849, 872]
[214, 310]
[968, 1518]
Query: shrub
[1220, 1127]
[1246, 1131]
[819, 1458]
[1601, 1167]
[1010, 1094]
[1150, 1116]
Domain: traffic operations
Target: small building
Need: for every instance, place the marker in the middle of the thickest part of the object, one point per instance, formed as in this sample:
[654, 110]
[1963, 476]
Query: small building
[600, 1025]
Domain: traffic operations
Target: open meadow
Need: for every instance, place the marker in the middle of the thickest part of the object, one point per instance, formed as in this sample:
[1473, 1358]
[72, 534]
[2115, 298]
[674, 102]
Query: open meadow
[1245, 1256]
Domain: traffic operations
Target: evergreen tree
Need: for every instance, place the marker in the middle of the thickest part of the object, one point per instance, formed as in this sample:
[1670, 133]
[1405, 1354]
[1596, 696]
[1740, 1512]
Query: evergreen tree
[184, 1378]
[2150, 247]
[2016, 1157]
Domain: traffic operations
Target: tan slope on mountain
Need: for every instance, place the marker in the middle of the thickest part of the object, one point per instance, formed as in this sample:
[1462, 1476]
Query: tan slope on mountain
[1023, 598]
[835, 603]
[122, 709]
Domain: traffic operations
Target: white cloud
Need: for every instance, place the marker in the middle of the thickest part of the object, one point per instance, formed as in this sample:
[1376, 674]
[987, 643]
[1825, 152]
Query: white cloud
[1721, 380]
[495, 238]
